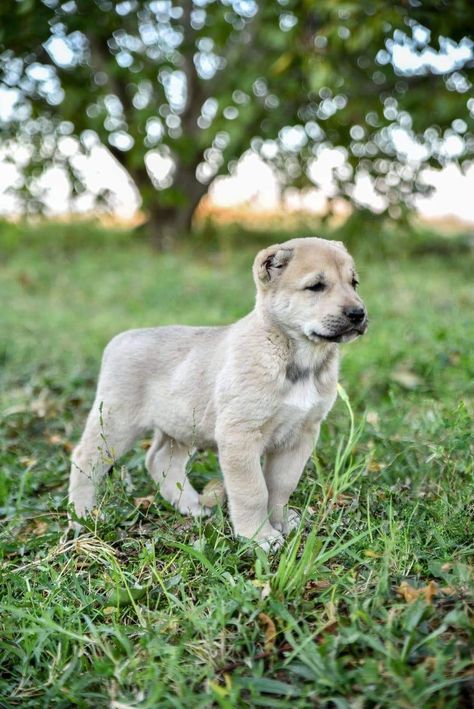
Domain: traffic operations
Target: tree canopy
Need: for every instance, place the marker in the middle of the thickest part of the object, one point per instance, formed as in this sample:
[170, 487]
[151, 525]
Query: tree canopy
[177, 91]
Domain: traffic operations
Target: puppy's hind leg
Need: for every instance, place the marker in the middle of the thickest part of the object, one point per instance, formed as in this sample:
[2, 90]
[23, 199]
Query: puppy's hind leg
[166, 462]
[102, 443]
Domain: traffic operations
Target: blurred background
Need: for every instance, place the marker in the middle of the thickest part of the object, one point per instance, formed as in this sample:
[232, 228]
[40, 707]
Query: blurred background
[164, 114]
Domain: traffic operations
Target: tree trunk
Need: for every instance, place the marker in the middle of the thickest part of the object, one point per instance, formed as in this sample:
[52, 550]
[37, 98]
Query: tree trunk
[166, 223]
[169, 224]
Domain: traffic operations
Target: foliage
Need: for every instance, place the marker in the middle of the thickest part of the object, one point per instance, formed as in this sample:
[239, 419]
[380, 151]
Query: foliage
[177, 92]
[150, 609]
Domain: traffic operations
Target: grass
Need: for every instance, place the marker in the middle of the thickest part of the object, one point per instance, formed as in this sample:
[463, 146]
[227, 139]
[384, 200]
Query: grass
[369, 604]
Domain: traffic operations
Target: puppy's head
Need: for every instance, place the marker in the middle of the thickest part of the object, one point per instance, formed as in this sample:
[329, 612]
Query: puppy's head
[308, 288]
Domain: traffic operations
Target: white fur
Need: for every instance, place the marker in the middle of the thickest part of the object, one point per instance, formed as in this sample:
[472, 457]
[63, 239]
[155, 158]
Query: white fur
[302, 396]
[258, 387]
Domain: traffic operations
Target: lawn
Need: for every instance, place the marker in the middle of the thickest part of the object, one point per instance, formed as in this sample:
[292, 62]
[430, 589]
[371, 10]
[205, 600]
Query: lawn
[369, 604]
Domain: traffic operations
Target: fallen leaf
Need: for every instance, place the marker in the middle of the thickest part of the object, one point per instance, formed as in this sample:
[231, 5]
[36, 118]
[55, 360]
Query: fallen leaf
[372, 554]
[35, 527]
[407, 592]
[448, 590]
[374, 467]
[24, 279]
[343, 500]
[56, 440]
[430, 663]
[270, 631]
[329, 629]
[320, 585]
[40, 527]
[411, 594]
[430, 591]
[143, 503]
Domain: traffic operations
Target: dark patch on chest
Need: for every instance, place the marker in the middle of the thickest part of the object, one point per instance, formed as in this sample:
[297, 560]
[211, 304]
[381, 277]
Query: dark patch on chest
[297, 374]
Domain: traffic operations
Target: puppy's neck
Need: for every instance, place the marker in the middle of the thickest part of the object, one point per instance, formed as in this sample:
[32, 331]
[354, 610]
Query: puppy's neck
[307, 356]
[301, 356]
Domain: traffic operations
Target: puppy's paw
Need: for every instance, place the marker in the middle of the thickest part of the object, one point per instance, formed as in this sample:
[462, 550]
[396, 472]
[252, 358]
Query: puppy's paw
[82, 521]
[268, 539]
[74, 527]
[187, 502]
[195, 510]
[290, 522]
[73, 530]
[271, 543]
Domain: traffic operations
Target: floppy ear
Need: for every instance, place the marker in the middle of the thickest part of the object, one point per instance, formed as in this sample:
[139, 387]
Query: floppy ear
[270, 262]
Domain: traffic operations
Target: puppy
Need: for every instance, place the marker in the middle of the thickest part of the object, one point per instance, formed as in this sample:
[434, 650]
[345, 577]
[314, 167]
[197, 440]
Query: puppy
[259, 387]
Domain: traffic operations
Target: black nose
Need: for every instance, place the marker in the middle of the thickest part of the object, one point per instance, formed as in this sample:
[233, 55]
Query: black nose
[355, 315]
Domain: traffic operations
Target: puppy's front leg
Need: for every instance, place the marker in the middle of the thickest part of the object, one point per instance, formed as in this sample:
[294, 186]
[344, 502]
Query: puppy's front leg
[247, 492]
[283, 469]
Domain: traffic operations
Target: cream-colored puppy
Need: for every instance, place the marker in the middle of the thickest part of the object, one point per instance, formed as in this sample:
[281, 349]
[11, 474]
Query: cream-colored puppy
[258, 387]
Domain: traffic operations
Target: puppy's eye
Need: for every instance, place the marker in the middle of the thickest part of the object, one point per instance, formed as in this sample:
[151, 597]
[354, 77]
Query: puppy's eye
[317, 287]
[355, 283]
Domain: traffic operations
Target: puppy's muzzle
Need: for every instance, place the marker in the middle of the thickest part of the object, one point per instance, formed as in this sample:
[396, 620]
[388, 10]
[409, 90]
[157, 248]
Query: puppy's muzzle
[356, 318]
[348, 326]
[356, 315]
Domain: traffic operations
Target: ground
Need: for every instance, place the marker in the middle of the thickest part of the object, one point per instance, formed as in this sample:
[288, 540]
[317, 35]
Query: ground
[369, 604]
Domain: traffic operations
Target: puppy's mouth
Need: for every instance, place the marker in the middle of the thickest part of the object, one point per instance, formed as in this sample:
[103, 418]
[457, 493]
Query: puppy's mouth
[344, 336]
